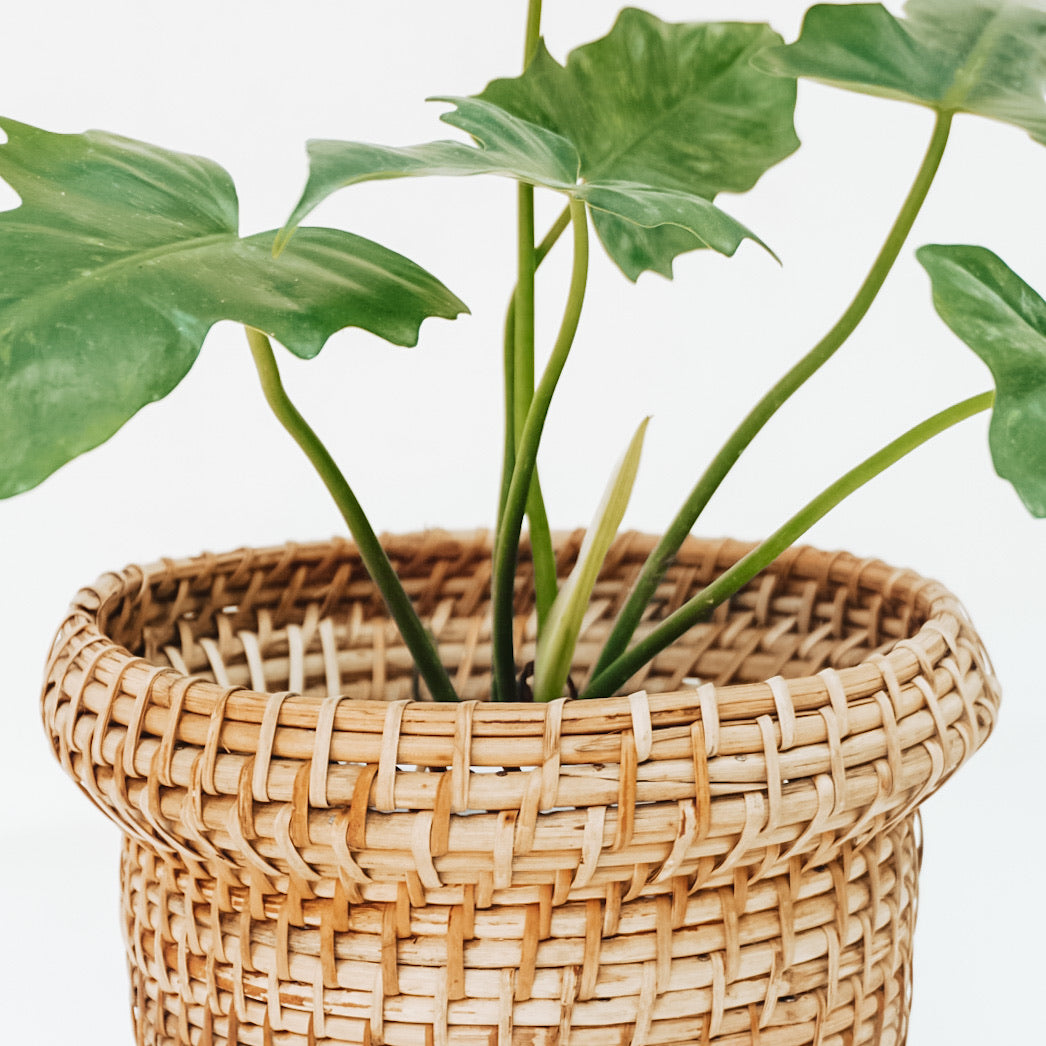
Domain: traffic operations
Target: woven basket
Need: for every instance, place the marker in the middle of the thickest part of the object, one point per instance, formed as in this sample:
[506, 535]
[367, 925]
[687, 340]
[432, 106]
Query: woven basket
[316, 853]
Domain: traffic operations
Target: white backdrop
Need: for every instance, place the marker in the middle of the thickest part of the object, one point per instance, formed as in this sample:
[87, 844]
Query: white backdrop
[247, 84]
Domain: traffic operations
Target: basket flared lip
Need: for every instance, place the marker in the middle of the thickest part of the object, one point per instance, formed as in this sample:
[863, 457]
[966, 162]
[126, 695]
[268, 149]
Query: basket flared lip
[906, 658]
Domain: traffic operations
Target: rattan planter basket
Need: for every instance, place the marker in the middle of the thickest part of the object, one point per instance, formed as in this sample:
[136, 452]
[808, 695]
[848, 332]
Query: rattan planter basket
[315, 853]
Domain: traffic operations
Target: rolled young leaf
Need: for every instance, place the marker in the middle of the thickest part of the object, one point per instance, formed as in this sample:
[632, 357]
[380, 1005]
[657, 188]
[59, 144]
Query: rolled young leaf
[1004, 321]
[986, 57]
[555, 649]
[119, 260]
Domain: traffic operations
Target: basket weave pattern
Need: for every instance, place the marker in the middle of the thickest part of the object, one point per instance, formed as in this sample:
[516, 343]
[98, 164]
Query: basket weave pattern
[317, 854]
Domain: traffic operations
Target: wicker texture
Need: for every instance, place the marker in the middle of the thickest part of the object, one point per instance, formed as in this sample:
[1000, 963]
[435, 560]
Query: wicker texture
[316, 853]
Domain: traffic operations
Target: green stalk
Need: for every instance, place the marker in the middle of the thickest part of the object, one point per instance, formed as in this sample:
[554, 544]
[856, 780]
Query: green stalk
[533, 35]
[509, 458]
[558, 227]
[506, 545]
[545, 583]
[523, 359]
[617, 673]
[508, 366]
[531, 39]
[523, 331]
[418, 641]
[661, 557]
[523, 392]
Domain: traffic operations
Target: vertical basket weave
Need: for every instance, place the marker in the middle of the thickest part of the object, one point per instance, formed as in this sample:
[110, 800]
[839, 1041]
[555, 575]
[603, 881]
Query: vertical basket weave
[316, 853]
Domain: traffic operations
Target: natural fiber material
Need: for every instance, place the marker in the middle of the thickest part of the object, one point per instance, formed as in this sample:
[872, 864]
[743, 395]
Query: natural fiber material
[317, 854]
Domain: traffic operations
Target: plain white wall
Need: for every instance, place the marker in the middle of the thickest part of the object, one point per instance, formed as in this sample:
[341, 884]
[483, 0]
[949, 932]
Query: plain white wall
[246, 85]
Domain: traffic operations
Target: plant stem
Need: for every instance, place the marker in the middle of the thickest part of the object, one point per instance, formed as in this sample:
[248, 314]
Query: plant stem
[509, 458]
[506, 544]
[523, 333]
[545, 581]
[659, 560]
[522, 359]
[533, 35]
[508, 367]
[617, 673]
[418, 641]
[558, 227]
[523, 392]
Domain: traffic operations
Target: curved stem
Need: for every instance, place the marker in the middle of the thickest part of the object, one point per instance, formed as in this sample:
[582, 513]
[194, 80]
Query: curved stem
[661, 557]
[508, 365]
[523, 358]
[506, 545]
[418, 641]
[558, 227]
[544, 557]
[695, 610]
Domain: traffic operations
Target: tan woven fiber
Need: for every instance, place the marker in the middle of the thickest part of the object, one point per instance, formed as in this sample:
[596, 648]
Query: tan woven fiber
[316, 853]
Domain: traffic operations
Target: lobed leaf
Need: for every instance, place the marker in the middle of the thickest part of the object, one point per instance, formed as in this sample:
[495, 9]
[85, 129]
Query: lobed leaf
[1004, 321]
[505, 145]
[652, 122]
[986, 57]
[671, 107]
[119, 260]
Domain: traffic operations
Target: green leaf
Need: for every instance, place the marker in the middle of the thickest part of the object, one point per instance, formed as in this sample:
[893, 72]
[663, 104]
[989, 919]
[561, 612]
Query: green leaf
[118, 261]
[555, 649]
[672, 107]
[1004, 321]
[659, 209]
[986, 57]
[506, 145]
[647, 125]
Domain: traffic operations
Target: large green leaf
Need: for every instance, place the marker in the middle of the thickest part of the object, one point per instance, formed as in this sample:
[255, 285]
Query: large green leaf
[975, 56]
[118, 261]
[1004, 321]
[646, 125]
[511, 146]
[505, 145]
[676, 107]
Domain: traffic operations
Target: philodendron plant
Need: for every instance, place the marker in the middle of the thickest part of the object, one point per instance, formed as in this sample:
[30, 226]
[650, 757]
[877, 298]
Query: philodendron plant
[122, 255]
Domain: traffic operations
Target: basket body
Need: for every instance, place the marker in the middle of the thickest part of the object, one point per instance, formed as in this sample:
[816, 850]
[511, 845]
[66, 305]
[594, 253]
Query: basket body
[317, 854]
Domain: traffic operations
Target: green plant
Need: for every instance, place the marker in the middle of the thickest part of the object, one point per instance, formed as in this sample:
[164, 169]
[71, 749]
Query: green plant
[122, 255]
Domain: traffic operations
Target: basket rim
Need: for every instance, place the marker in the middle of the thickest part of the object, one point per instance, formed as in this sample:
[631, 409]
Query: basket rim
[628, 788]
[906, 658]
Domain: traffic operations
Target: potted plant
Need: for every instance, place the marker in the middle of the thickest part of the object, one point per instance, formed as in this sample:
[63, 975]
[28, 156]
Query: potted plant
[168, 756]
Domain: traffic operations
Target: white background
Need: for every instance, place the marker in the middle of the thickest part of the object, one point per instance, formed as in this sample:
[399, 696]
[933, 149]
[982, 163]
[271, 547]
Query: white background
[416, 429]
